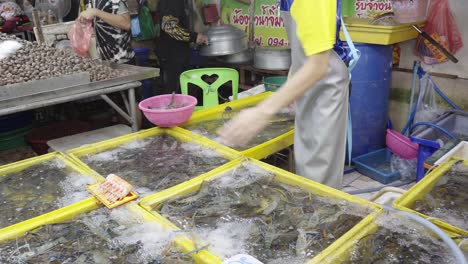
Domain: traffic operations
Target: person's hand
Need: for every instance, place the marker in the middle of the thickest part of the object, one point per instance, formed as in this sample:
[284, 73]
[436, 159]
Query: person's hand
[240, 130]
[202, 39]
[89, 14]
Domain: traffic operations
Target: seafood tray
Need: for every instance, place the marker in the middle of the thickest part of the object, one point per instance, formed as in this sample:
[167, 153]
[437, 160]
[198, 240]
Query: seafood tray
[38, 189]
[440, 183]
[261, 194]
[279, 135]
[391, 239]
[67, 86]
[154, 159]
[93, 234]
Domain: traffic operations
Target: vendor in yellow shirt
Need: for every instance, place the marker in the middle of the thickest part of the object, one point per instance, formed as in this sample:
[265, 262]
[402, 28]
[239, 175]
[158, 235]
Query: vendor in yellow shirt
[318, 84]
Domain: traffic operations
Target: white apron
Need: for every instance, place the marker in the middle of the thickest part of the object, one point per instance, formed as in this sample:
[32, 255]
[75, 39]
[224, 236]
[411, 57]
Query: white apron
[321, 117]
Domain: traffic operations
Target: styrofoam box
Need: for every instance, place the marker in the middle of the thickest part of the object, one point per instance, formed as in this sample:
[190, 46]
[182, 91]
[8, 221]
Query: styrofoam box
[460, 151]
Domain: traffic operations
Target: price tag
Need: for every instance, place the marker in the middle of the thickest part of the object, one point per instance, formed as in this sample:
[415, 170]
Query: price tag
[242, 259]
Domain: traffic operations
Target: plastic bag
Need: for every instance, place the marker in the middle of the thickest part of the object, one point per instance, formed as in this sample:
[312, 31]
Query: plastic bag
[135, 26]
[148, 31]
[406, 168]
[441, 26]
[428, 102]
[80, 36]
[8, 48]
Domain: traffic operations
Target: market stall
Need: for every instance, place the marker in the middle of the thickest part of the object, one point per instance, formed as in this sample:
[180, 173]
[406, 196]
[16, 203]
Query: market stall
[258, 146]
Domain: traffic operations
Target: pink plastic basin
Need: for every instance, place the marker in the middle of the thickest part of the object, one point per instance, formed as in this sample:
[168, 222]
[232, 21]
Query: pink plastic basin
[169, 117]
[401, 145]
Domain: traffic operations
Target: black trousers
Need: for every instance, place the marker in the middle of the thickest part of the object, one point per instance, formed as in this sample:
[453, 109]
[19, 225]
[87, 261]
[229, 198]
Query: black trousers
[171, 68]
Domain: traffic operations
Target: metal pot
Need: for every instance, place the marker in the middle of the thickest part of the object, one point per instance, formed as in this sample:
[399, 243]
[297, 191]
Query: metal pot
[224, 40]
[245, 56]
[272, 58]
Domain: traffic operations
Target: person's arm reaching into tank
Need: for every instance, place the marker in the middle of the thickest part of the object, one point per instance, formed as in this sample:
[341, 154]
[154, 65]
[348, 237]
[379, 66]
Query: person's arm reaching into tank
[250, 122]
[317, 45]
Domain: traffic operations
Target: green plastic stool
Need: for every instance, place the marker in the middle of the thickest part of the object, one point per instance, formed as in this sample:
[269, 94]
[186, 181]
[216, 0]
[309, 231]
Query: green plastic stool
[210, 91]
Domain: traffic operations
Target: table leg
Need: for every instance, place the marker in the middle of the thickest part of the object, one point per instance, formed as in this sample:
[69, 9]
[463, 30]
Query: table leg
[117, 108]
[242, 77]
[292, 164]
[133, 110]
[124, 98]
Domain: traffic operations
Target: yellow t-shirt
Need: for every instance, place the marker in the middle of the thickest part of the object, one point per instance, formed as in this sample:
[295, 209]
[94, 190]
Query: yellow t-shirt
[316, 24]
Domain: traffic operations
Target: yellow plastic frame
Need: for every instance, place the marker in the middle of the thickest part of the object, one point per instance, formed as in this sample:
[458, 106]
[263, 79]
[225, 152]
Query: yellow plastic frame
[50, 216]
[281, 176]
[381, 35]
[260, 151]
[424, 186]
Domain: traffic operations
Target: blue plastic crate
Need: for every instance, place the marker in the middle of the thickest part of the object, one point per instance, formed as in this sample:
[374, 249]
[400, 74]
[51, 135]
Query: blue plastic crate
[376, 165]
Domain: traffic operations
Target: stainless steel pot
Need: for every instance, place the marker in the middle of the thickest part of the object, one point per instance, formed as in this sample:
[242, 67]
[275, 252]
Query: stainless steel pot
[224, 40]
[245, 56]
[272, 58]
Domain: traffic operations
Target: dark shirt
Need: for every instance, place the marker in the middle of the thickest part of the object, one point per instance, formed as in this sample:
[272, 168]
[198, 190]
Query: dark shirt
[113, 44]
[175, 36]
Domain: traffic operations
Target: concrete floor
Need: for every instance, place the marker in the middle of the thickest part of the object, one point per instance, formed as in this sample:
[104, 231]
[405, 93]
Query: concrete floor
[17, 154]
[356, 181]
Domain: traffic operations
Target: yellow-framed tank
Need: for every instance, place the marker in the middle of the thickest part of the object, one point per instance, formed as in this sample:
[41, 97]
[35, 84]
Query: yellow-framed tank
[281, 176]
[342, 253]
[419, 190]
[68, 164]
[180, 135]
[259, 151]
[92, 204]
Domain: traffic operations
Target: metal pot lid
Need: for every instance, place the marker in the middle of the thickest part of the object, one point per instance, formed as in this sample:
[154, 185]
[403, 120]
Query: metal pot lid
[224, 32]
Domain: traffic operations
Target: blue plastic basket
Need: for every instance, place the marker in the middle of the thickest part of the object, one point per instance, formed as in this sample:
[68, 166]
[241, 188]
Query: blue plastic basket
[376, 165]
[196, 60]
[142, 55]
